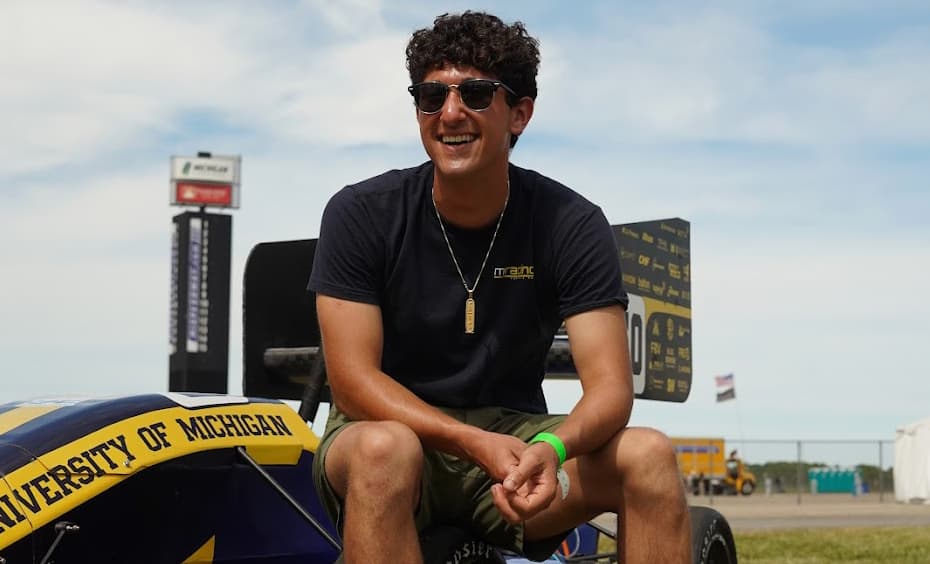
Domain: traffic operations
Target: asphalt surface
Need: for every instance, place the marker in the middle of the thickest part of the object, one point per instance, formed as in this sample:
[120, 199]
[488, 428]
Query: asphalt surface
[782, 511]
[759, 512]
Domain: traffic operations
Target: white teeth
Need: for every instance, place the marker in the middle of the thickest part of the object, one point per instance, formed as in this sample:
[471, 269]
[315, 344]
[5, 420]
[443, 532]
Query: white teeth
[457, 138]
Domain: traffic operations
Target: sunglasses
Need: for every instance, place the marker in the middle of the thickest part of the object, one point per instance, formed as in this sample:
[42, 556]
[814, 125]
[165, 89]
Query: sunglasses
[477, 94]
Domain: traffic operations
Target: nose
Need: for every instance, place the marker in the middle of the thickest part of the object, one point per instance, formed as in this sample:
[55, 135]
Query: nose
[453, 108]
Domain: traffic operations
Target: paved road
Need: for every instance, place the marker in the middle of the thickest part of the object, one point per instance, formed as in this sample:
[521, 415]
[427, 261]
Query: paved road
[781, 511]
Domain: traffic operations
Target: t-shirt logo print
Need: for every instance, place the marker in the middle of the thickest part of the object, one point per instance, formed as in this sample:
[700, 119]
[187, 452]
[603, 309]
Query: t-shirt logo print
[522, 272]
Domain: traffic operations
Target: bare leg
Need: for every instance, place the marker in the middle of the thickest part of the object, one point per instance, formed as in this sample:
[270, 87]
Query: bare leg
[653, 517]
[636, 475]
[375, 467]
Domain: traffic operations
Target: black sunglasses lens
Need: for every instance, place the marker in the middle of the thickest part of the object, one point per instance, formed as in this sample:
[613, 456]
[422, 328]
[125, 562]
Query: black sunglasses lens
[430, 96]
[477, 94]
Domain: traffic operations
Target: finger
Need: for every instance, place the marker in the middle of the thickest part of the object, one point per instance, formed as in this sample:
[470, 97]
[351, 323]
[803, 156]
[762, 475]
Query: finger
[515, 479]
[518, 507]
[538, 499]
[502, 502]
[529, 465]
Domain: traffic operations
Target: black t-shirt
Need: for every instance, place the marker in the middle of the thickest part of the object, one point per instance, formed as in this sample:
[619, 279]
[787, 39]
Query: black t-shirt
[555, 255]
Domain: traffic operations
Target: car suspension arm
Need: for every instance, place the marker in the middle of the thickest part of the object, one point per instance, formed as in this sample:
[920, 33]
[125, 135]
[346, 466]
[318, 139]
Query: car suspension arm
[287, 497]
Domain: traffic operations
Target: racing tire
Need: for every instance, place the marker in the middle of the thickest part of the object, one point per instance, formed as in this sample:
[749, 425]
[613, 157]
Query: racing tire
[711, 538]
[442, 544]
[747, 488]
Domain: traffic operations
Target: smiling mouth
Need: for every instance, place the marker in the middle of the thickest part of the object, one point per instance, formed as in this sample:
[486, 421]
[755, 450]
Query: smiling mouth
[457, 139]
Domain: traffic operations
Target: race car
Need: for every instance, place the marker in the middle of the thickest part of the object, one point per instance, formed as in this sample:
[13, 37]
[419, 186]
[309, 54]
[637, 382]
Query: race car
[184, 478]
[170, 477]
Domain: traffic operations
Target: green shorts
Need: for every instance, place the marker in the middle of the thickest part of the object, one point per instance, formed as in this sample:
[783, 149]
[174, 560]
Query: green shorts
[453, 491]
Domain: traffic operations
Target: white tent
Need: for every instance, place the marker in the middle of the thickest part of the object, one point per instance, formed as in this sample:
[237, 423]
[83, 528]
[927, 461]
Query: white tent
[912, 463]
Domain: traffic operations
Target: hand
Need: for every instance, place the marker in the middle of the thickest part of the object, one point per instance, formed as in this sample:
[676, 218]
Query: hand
[497, 454]
[530, 486]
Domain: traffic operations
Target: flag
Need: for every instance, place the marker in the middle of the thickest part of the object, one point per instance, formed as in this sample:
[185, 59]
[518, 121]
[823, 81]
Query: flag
[725, 381]
[725, 388]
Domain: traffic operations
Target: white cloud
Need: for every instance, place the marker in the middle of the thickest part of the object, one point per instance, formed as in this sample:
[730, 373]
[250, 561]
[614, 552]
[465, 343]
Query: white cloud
[708, 76]
[352, 17]
[810, 251]
[108, 77]
[100, 75]
[343, 94]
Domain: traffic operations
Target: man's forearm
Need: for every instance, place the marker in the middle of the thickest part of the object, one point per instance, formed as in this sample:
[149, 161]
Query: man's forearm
[598, 416]
[375, 396]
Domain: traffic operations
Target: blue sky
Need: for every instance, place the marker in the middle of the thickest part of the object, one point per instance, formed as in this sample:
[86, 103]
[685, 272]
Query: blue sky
[794, 136]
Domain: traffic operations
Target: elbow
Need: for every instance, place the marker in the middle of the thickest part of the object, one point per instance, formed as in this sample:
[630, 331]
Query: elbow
[623, 399]
[340, 396]
[626, 409]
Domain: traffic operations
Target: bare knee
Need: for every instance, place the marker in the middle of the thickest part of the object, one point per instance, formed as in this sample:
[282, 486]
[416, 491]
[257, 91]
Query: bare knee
[652, 448]
[652, 467]
[386, 444]
[383, 459]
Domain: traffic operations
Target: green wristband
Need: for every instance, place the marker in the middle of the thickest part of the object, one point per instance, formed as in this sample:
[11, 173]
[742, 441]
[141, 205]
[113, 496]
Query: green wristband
[556, 443]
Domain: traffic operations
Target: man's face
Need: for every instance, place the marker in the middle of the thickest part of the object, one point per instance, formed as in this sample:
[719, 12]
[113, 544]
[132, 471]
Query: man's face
[462, 141]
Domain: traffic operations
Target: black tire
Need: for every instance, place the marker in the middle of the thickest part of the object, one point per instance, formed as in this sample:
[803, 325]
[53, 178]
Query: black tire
[711, 538]
[442, 544]
[747, 488]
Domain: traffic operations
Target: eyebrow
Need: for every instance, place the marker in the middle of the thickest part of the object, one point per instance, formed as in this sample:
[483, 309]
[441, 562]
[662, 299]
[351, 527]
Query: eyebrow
[465, 79]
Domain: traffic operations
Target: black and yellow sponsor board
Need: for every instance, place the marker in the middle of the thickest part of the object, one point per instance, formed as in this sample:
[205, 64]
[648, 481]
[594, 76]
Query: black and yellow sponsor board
[655, 260]
[96, 447]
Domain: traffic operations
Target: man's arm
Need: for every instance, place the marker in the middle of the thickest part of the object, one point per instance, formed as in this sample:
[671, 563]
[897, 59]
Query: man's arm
[352, 336]
[601, 355]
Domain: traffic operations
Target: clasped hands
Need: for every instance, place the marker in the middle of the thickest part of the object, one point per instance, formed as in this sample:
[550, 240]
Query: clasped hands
[524, 475]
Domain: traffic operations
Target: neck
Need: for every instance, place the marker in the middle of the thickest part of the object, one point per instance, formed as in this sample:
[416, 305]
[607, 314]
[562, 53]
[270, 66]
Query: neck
[471, 202]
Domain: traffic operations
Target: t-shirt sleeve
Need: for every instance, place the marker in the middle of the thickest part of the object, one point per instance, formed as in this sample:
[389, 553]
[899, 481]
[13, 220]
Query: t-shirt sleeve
[348, 259]
[588, 265]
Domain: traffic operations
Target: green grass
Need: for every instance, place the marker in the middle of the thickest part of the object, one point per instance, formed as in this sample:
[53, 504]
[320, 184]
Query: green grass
[875, 545]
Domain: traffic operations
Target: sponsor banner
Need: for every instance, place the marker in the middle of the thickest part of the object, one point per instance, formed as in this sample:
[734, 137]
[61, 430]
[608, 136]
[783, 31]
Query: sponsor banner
[655, 259]
[666, 350]
[206, 181]
[222, 169]
[656, 268]
[201, 194]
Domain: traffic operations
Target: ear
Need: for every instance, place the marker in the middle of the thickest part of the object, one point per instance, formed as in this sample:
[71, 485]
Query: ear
[520, 115]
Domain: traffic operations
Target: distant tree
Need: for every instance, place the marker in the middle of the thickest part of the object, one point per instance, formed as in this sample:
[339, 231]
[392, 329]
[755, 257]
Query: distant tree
[786, 471]
[870, 477]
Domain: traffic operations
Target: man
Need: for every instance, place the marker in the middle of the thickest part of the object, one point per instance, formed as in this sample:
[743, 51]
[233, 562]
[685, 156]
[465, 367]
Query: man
[439, 289]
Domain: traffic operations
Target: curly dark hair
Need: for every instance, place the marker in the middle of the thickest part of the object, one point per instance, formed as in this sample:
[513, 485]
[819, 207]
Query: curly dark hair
[479, 40]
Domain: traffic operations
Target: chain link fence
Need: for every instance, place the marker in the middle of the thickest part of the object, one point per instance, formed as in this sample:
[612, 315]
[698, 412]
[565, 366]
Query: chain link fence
[800, 469]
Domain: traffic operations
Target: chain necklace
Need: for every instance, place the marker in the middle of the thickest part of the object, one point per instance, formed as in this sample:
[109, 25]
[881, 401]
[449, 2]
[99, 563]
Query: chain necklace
[470, 299]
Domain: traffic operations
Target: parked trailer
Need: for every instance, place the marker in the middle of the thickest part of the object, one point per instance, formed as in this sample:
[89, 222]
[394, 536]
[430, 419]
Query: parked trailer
[705, 468]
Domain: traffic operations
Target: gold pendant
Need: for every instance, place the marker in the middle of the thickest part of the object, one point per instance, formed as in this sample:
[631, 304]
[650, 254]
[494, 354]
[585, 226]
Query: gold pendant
[470, 314]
